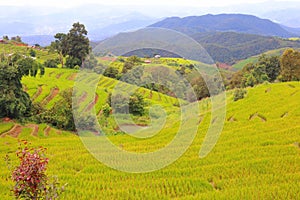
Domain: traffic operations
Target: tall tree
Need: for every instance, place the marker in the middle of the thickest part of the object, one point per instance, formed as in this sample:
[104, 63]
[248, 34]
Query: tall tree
[60, 45]
[271, 65]
[78, 45]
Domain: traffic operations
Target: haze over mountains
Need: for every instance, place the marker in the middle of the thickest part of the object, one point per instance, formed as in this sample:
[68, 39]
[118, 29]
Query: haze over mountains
[224, 23]
[102, 21]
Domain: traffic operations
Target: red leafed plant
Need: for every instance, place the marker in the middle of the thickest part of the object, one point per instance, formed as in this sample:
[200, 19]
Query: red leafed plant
[31, 181]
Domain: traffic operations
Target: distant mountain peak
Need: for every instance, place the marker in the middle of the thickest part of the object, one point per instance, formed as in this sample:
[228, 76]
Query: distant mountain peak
[241, 23]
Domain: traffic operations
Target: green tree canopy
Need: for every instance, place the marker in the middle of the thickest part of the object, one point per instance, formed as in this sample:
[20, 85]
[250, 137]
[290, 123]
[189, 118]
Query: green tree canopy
[78, 45]
[14, 102]
[290, 65]
[60, 45]
[75, 44]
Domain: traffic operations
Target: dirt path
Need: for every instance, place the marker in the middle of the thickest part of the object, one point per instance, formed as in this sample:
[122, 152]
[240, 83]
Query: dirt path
[99, 113]
[150, 95]
[284, 115]
[47, 130]
[35, 129]
[6, 119]
[25, 88]
[257, 115]
[50, 74]
[83, 97]
[91, 105]
[14, 132]
[54, 92]
[72, 77]
[59, 75]
[231, 119]
[38, 93]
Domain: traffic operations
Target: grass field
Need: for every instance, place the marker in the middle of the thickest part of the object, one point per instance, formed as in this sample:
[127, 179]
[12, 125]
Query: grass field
[256, 157]
[239, 65]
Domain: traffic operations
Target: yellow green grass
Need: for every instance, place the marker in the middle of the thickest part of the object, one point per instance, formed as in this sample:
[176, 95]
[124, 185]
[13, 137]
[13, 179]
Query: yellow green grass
[253, 159]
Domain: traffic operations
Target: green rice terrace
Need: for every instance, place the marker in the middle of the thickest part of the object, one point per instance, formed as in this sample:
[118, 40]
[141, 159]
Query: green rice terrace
[256, 157]
[145, 102]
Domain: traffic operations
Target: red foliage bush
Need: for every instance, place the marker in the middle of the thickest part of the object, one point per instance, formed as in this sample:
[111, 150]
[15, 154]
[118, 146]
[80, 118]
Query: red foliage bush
[29, 176]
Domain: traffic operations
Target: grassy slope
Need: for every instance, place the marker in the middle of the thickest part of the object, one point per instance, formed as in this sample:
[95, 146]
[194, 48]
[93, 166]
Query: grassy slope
[41, 55]
[254, 159]
[242, 63]
[250, 153]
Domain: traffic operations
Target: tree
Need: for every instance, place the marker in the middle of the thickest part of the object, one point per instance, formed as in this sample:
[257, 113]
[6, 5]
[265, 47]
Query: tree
[90, 61]
[130, 63]
[271, 65]
[78, 45]
[72, 62]
[74, 44]
[14, 102]
[200, 88]
[52, 63]
[127, 66]
[32, 53]
[60, 45]
[239, 94]
[106, 109]
[5, 37]
[137, 104]
[290, 65]
[122, 103]
[111, 72]
[61, 115]
[16, 38]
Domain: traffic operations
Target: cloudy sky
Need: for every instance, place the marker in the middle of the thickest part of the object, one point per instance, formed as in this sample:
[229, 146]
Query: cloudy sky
[71, 3]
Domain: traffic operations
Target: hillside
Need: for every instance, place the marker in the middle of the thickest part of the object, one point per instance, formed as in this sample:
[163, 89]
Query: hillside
[230, 47]
[259, 145]
[223, 23]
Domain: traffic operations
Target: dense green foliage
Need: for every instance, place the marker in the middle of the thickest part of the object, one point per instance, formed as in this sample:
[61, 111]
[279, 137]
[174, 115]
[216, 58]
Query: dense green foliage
[60, 115]
[239, 94]
[74, 44]
[232, 47]
[123, 103]
[290, 65]
[267, 68]
[51, 63]
[14, 102]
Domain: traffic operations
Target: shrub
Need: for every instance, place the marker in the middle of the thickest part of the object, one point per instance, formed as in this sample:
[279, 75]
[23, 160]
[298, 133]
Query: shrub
[32, 53]
[106, 109]
[72, 62]
[111, 72]
[51, 63]
[239, 94]
[31, 181]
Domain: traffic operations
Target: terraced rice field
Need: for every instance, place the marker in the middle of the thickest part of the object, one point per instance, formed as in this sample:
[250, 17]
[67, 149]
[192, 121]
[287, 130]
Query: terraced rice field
[256, 157]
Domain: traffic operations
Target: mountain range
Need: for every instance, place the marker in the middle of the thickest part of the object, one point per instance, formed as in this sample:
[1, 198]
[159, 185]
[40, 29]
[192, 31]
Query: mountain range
[223, 23]
[227, 38]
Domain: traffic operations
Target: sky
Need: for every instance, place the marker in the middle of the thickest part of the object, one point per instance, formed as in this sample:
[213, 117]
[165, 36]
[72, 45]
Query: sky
[72, 3]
